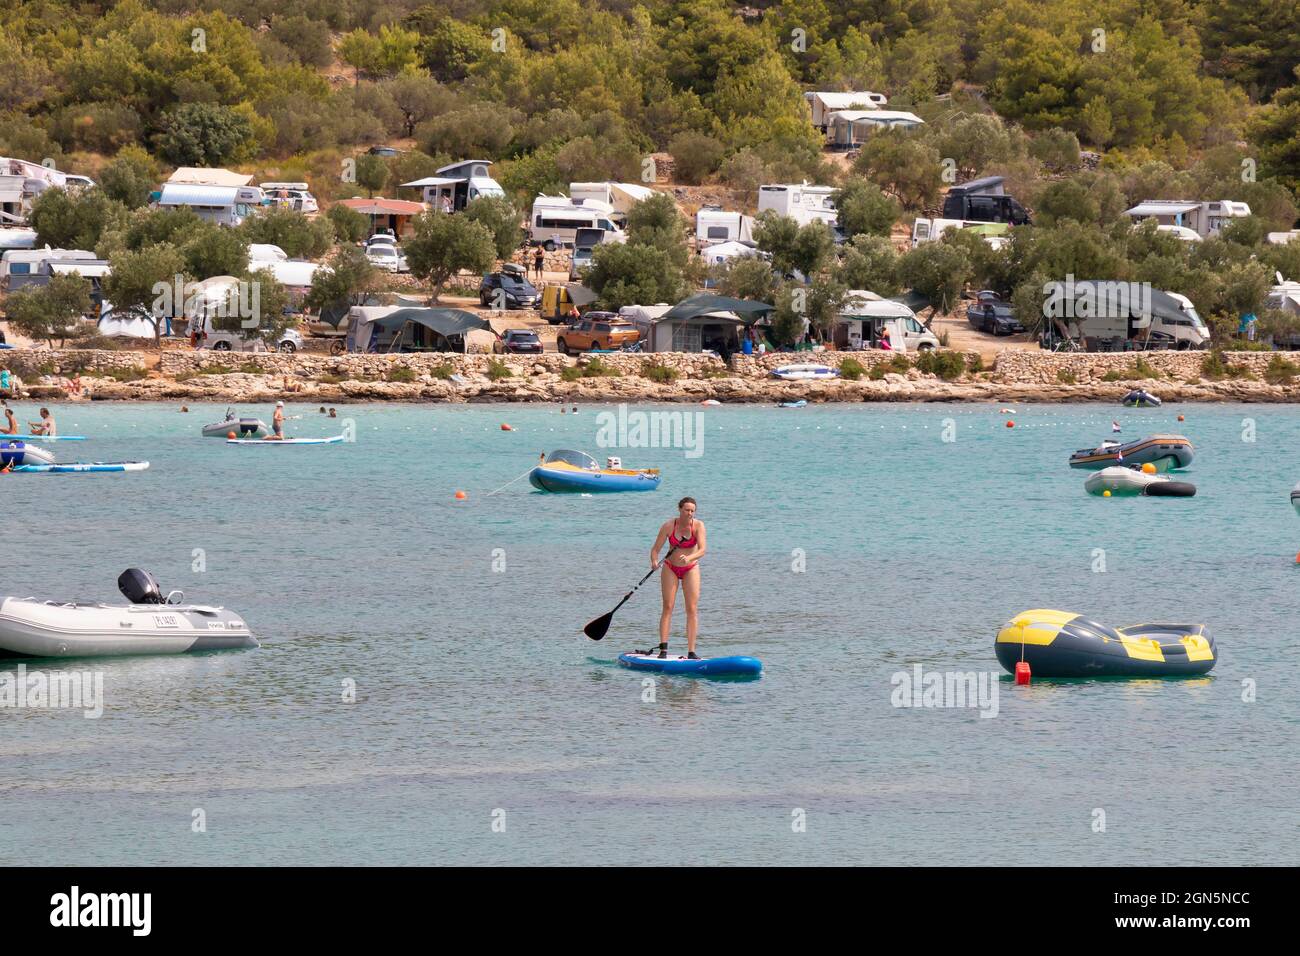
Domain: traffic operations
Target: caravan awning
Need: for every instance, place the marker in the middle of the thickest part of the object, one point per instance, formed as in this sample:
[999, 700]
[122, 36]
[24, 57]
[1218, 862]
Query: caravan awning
[432, 181]
[446, 322]
[701, 309]
[1162, 208]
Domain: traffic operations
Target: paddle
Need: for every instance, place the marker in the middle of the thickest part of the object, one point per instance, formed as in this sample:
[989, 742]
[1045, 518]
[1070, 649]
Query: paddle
[597, 628]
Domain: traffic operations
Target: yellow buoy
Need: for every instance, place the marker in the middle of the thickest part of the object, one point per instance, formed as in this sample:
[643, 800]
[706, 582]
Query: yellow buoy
[1106, 493]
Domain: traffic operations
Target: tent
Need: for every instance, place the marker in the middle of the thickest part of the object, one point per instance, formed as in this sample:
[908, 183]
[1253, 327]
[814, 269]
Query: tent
[704, 322]
[392, 328]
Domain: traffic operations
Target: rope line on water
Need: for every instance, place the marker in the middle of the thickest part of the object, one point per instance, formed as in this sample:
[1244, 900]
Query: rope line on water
[508, 484]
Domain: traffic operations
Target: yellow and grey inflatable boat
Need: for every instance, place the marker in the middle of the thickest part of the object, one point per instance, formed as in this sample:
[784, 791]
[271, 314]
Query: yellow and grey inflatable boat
[1064, 644]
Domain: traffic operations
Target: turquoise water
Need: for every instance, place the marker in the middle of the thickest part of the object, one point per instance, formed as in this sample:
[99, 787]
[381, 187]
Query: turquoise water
[477, 692]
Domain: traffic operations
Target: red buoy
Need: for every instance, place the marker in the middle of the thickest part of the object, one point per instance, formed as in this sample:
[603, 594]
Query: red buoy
[1022, 673]
[1011, 423]
[507, 428]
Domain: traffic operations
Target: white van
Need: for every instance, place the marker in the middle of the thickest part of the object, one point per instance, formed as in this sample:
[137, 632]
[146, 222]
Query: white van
[295, 196]
[865, 316]
[555, 220]
[714, 226]
[224, 205]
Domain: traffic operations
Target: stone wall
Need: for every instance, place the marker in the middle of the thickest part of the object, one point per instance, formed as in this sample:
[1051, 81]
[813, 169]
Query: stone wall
[33, 363]
[1038, 367]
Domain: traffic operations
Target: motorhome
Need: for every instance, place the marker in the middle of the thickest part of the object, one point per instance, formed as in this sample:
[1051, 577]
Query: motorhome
[984, 200]
[555, 220]
[714, 225]
[294, 196]
[457, 185]
[823, 104]
[803, 203]
[20, 183]
[620, 197]
[223, 205]
[25, 262]
[865, 317]
[1205, 218]
[1116, 316]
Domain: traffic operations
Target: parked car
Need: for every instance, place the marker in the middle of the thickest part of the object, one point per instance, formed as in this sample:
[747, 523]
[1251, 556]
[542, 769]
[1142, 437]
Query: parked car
[516, 292]
[991, 314]
[385, 238]
[219, 341]
[596, 330]
[384, 151]
[387, 257]
[518, 342]
[582, 258]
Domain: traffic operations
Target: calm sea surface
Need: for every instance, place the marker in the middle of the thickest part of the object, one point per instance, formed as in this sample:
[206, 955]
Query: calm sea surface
[480, 702]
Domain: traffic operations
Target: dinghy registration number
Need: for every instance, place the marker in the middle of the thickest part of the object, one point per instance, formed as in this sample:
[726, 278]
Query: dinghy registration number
[166, 620]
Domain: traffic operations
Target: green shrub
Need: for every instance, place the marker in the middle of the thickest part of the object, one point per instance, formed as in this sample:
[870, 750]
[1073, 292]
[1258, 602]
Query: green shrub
[251, 368]
[975, 363]
[1216, 368]
[1066, 377]
[401, 374]
[596, 369]
[327, 379]
[1245, 345]
[659, 373]
[498, 370]
[1143, 369]
[443, 372]
[125, 374]
[570, 373]
[949, 366]
[1280, 371]
[214, 370]
[851, 369]
[1115, 375]
[898, 363]
[877, 371]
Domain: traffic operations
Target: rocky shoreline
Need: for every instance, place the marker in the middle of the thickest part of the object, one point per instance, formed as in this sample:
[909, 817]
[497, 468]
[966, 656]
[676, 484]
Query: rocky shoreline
[1017, 376]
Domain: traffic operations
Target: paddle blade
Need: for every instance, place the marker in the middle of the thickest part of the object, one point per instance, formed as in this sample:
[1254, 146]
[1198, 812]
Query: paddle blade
[597, 628]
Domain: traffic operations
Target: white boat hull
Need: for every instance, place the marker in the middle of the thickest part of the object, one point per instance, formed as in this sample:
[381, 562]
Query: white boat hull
[32, 628]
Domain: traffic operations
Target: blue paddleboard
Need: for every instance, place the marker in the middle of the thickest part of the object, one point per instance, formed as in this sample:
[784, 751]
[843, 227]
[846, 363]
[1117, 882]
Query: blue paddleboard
[706, 667]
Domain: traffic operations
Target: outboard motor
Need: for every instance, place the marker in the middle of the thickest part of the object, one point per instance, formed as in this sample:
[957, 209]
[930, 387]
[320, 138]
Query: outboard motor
[139, 587]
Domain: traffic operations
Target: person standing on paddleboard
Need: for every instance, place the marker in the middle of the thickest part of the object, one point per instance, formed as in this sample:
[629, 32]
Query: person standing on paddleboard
[686, 537]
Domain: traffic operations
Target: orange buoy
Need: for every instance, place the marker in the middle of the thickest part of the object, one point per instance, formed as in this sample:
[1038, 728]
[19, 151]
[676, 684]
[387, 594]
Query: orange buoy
[1023, 674]
[507, 428]
[230, 435]
[1011, 423]
[1148, 468]
[1180, 418]
[1297, 559]
[461, 496]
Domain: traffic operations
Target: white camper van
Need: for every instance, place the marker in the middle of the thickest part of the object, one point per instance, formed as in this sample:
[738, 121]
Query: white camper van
[866, 315]
[802, 203]
[224, 205]
[295, 196]
[714, 226]
[620, 197]
[1204, 218]
[555, 220]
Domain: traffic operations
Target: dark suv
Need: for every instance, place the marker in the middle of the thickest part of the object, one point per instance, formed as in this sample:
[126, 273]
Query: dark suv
[517, 292]
[991, 314]
[518, 342]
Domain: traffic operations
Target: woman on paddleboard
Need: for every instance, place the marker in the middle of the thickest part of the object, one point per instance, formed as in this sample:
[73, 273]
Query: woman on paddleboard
[686, 537]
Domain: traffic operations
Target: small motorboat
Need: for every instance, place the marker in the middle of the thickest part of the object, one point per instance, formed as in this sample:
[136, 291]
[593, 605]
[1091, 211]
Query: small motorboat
[567, 471]
[1140, 399]
[799, 404]
[804, 372]
[1121, 482]
[1064, 644]
[242, 427]
[1165, 452]
[17, 454]
[150, 624]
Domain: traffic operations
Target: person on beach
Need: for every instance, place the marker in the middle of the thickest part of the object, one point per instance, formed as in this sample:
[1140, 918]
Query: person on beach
[5, 381]
[884, 340]
[10, 426]
[277, 423]
[681, 569]
[539, 261]
[45, 426]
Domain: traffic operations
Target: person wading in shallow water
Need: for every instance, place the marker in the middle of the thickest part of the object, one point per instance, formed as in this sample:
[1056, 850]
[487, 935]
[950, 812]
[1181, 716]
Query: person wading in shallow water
[681, 569]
